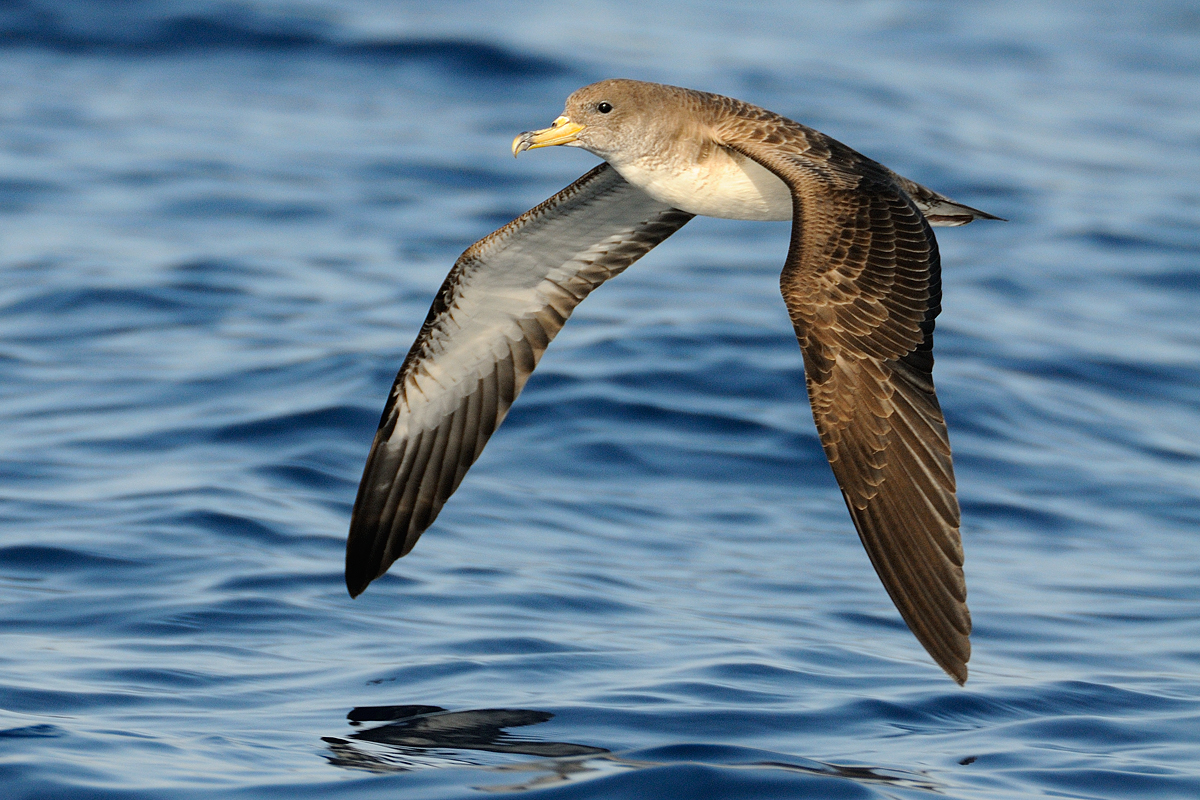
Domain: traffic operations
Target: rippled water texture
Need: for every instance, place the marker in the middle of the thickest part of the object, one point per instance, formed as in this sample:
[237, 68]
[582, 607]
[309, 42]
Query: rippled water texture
[220, 228]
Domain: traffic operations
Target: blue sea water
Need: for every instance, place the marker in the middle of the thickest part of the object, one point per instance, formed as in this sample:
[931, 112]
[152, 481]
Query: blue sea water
[221, 225]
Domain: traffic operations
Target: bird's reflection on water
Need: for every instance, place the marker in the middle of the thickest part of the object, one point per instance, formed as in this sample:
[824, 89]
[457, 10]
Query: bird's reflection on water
[417, 737]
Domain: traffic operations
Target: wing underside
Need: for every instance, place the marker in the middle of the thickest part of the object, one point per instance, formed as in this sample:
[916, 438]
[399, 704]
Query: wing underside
[503, 302]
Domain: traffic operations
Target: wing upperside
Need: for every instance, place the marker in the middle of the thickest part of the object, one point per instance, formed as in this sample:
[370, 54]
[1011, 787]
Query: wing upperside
[862, 286]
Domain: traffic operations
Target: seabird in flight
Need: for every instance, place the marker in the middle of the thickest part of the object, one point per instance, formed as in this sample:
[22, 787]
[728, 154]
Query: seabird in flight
[861, 282]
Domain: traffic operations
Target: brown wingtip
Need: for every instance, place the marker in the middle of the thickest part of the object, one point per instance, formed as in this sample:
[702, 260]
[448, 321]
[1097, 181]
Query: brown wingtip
[958, 672]
[953, 659]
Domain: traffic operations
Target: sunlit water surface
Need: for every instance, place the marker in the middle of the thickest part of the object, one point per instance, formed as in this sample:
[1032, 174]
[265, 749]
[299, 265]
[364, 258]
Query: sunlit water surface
[220, 228]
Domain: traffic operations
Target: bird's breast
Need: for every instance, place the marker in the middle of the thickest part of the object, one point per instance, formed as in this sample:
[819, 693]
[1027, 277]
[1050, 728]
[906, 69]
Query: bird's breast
[722, 184]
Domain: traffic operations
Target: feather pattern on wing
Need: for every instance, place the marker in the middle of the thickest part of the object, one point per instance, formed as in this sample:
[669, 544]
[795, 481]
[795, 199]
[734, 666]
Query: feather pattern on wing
[503, 302]
[862, 283]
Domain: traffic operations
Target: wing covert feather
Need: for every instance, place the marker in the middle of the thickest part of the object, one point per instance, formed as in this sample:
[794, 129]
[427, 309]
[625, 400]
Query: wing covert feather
[506, 298]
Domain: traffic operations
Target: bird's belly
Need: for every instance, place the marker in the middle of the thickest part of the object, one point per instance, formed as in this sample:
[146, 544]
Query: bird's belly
[720, 186]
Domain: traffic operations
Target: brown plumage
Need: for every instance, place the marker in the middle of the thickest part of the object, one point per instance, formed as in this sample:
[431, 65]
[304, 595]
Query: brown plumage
[861, 283]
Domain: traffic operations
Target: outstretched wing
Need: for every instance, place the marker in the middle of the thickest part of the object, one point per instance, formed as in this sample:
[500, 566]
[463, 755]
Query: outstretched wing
[862, 285]
[507, 296]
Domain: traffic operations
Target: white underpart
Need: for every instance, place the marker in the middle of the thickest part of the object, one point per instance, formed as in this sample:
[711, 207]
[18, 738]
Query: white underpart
[722, 185]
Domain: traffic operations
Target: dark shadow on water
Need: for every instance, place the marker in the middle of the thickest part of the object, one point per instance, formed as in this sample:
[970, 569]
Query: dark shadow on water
[423, 737]
[435, 728]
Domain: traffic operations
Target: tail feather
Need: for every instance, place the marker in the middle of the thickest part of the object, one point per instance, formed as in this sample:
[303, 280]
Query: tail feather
[945, 213]
[940, 211]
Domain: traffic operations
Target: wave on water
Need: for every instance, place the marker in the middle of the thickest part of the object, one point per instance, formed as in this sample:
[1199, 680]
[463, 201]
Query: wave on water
[149, 29]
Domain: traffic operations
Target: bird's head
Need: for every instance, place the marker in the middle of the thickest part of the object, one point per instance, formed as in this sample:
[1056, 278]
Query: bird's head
[614, 119]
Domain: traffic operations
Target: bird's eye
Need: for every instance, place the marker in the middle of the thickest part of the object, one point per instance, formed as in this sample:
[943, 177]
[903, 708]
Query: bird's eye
[604, 108]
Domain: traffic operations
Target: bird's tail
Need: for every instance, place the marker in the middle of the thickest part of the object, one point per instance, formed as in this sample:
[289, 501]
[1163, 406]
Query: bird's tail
[939, 210]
